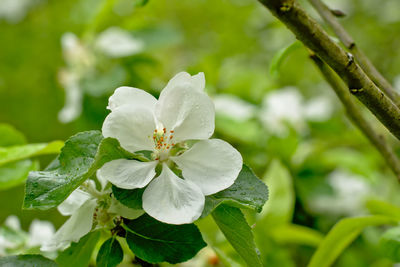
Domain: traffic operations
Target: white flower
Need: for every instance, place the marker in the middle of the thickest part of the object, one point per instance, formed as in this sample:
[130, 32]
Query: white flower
[287, 106]
[13, 222]
[233, 107]
[183, 112]
[116, 42]
[280, 107]
[40, 232]
[350, 191]
[13, 11]
[318, 109]
[14, 238]
[73, 97]
[86, 208]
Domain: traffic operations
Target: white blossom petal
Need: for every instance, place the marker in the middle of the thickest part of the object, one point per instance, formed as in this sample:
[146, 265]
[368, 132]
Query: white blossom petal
[131, 96]
[234, 107]
[40, 232]
[133, 127]
[185, 80]
[213, 165]
[122, 210]
[78, 225]
[13, 222]
[128, 174]
[173, 200]
[188, 112]
[73, 202]
[102, 180]
[116, 42]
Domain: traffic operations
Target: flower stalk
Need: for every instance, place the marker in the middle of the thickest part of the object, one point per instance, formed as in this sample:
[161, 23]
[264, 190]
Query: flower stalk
[311, 34]
[326, 13]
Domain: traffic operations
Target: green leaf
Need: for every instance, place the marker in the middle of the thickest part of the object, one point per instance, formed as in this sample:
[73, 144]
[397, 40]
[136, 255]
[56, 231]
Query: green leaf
[26, 261]
[383, 208]
[15, 173]
[79, 254]
[341, 235]
[82, 155]
[155, 242]
[295, 234]
[233, 224]
[247, 192]
[282, 197]
[14, 153]
[132, 198]
[280, 57]
[9, 136]
[390, 244]
[110, 253]
[47, 189]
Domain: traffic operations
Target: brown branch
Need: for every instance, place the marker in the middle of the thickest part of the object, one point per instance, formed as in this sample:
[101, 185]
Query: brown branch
[326, 13]
[354, 113]
[313, 36]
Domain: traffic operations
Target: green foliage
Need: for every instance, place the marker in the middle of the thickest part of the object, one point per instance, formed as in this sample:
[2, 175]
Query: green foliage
[280, 207]
[233, 224]
[131, 198]
[81, 156]
[26, 261]
[9, 136]
[47, 189]
[341, 235]
[390, 244]
[14, 153]
[14, 156]
[247, 192]
[15, 173]
[155, 242]
[79, 254]
[383, 208]
[280, 56]
[110, 253]
[295, 234]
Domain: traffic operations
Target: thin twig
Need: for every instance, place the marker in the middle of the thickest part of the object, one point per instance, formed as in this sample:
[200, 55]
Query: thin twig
[354, 113]
[314, 37]
[326, 13]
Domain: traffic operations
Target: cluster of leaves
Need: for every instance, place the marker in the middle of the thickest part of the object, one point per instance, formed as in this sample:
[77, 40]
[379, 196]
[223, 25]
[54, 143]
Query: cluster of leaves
[16, 154]
[148, 239]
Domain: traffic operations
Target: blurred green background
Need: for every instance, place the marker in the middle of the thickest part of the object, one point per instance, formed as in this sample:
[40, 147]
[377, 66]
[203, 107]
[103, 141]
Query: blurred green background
[276, 109]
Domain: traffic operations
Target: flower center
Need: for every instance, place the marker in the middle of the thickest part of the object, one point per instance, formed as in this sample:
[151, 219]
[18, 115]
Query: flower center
[163, 143]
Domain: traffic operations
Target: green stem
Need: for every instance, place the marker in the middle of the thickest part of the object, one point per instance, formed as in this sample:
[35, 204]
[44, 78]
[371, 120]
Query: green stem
[314, 37]
[354, 113]
[326, 13]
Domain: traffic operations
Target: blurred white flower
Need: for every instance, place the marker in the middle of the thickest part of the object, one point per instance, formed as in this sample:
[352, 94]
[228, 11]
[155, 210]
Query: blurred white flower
[116, 42]
[40, 232]
[73, 97]
[13, 238]
[183, 112]
[76, 54]
[87, 207]
[396, 83]
[13, 222]
[318, 109]
[81, 63]
[13, 11]
[281, 107]
[233, 107]
[349, 193]
[286, 106]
